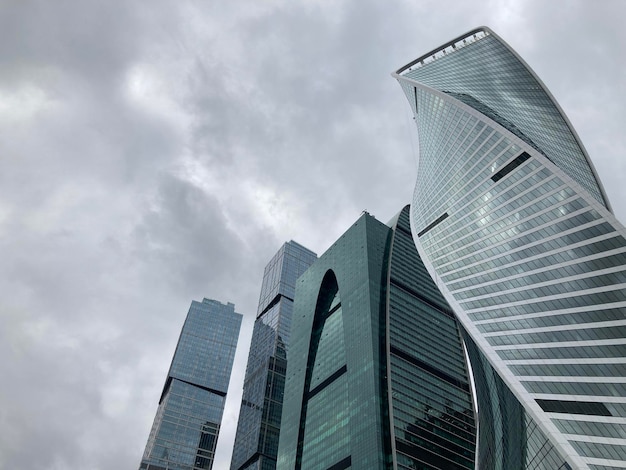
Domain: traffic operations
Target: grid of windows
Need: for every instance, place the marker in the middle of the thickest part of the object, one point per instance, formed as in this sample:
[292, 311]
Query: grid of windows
[186, 426]
[431, 404]
[529, 256]
[282, 272]
[335, 414]
[256, 440]
[377, 374]
[516, 95]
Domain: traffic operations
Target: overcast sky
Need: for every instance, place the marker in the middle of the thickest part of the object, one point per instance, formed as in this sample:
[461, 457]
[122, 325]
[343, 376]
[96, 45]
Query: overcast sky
[156, 152]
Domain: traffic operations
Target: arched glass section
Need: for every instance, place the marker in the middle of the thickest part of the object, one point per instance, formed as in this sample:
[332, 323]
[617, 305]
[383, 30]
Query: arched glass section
[323, 439]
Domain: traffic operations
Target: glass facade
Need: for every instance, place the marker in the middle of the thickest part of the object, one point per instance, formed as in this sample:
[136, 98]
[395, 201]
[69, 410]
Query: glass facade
[504, 88]
[187, 423]
[514, 227]
[256, 440]
[430, 398]
[377, 375]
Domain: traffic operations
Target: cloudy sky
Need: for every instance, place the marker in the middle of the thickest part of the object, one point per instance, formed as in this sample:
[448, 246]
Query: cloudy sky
[156, 152]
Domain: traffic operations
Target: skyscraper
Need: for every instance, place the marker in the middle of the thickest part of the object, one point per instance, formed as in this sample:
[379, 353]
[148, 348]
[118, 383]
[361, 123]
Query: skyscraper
[256, 441]
[187, 422]
[513, 224]
[376, 376]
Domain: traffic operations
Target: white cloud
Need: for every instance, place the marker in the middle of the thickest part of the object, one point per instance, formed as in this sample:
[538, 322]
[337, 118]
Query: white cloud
[23, 104]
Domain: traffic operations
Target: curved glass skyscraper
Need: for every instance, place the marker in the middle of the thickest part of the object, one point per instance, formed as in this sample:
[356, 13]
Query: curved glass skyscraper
[514, 227]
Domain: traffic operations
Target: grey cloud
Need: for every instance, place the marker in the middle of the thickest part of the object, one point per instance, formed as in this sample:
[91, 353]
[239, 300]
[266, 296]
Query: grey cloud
[105, 238]
[186, 236]
[91, 39]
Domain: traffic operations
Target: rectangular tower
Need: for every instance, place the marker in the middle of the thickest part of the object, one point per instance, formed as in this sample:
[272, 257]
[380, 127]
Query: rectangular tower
[256, 441]
[187, 422]
[377, 376]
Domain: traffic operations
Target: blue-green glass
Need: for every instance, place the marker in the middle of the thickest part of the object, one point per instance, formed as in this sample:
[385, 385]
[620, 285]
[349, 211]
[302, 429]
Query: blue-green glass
[376, 374]
[186, 426]
[256, 440]
[338, 419]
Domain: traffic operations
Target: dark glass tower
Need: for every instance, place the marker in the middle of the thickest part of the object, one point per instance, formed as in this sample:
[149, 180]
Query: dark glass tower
[513, 225]
[256, 441]
[377, 376]
[187, 423]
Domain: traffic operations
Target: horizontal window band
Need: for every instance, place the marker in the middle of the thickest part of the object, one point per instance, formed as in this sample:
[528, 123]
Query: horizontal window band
[399, 228]
[574, 407]
[273, 303]
[422, 298]
[440, 219]
[326, 382]
[433, 455]
[342, 464]
[168, 383]
[428, 368]
[510, 167]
